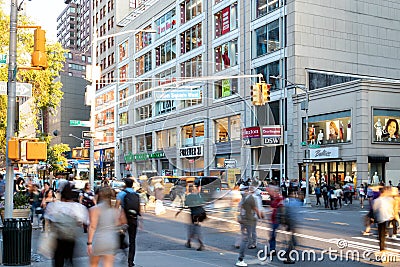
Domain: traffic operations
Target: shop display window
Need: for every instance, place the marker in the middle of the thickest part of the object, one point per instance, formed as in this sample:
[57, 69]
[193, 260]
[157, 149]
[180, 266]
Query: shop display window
[227, 129]
[264, 7]
[225, 20]
[385, 126]
[267, 39]
[225, 88]
[226, 55]
[329, 129]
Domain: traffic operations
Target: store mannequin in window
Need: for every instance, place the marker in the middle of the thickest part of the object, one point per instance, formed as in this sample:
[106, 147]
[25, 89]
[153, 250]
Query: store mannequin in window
[348, 178]
[348, 139]
[375, 179]
[311, 135]
[312, 182]
[320, 137]
[341, 131]
[378, 130]
[225, 57]
[333, 131]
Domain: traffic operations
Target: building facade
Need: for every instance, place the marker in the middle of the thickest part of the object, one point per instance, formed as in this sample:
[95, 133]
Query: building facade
[216, 49]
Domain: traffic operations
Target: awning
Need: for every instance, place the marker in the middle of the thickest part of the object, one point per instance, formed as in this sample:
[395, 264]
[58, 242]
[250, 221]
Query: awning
[378, 159]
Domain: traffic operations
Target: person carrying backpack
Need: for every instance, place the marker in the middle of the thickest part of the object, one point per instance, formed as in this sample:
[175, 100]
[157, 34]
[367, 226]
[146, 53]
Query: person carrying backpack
[129, 200]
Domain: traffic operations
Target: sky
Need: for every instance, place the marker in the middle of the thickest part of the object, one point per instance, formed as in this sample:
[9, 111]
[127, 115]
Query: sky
[44, 13]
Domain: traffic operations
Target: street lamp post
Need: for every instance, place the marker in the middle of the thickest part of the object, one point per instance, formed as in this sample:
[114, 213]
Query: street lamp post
[76, 137]
[95, 75]
[305, 107]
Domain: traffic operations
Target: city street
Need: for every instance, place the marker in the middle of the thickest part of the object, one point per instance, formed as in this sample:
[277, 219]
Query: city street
[161, 241]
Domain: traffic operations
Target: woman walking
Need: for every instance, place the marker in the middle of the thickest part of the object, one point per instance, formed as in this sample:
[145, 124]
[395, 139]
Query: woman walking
[87, 199]
[102, 238]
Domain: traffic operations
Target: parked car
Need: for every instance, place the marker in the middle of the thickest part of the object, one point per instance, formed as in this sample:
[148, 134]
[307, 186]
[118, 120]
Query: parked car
[209, 186]
[166, 181]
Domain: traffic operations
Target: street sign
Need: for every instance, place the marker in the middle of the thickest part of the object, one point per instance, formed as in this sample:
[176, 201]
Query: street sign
[23, 89]
[3, 58]
[79, 123]
[177, 95]
[230, 163]
[88, 134]
[86, 143]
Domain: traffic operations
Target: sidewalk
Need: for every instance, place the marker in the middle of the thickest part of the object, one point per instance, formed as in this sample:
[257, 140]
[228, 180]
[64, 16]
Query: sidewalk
[176, 258]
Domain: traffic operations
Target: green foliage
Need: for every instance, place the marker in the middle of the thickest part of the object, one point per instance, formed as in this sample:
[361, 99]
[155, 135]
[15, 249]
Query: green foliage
[21, 201]
[55, 157]
[46, 91]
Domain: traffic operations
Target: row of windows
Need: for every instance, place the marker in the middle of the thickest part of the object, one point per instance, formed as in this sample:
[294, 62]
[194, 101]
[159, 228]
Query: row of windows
[225, 130]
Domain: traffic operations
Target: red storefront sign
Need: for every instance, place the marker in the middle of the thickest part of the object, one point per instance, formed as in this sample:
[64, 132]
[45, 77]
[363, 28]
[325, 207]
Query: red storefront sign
[251, 132]
[226, 20]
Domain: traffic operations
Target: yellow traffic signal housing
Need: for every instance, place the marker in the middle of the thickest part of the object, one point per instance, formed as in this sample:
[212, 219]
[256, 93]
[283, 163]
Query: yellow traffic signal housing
[13, 149]
[266, 92]
[256, 94]
[36, 151]
[39, 56]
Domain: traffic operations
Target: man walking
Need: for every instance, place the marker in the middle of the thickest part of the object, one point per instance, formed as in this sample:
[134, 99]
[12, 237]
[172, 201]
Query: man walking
[128, 199]
[383, 212]
[248, 210]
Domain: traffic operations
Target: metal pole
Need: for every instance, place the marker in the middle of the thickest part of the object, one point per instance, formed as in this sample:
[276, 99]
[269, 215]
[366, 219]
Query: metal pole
[92, 110]
[11, 92]
[307, 197]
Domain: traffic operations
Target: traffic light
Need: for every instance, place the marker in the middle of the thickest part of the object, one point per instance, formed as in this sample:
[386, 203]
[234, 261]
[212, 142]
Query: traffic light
[39, 56]
[266, 92]
[256, 99]
[13, 149]
[36, 151]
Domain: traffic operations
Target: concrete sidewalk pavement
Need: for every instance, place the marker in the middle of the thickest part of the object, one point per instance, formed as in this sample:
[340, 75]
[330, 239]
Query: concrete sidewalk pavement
[176, 258]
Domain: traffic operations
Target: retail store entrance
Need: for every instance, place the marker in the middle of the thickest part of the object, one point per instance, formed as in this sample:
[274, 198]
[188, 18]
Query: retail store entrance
[332, 172]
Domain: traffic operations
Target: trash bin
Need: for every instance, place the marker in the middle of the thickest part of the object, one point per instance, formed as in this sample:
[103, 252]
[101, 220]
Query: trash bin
[17, 241]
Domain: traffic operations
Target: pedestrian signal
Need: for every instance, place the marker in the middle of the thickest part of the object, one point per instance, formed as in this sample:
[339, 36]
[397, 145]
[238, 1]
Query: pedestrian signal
[39, 56]
[256, 99]
[266, 92]
[13, 149]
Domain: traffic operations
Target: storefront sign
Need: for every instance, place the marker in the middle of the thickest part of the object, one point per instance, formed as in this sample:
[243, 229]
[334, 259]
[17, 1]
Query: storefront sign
[230, 163]
[272, 135]
[226, 21]
[143, 156]
[226, 88]
[324, 153]
[190, 152]
[251, 132]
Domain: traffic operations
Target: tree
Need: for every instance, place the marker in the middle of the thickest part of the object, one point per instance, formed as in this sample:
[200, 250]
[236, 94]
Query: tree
[46, 88]
[55, 157]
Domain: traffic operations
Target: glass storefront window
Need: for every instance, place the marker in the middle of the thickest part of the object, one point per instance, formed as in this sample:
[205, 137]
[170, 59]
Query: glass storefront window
[270, 69]
[225, 88]
[123, 50]
[166, 52]
[225, 20]
[143, 39]
[192, 67]
[166, 23]
[329, 128]
[193, 134]
[221, 126]
[227, 129]
[385, 126]
[191, 39]
[264, 7]
[267, 39]
[190, 9]
[226, 55]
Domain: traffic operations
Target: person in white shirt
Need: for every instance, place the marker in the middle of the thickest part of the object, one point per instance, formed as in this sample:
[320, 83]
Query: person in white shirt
[339, 195]
[383, 212]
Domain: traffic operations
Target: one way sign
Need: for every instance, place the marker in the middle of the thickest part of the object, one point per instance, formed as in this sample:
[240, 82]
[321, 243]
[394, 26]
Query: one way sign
[23, 89]
[87, 134]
